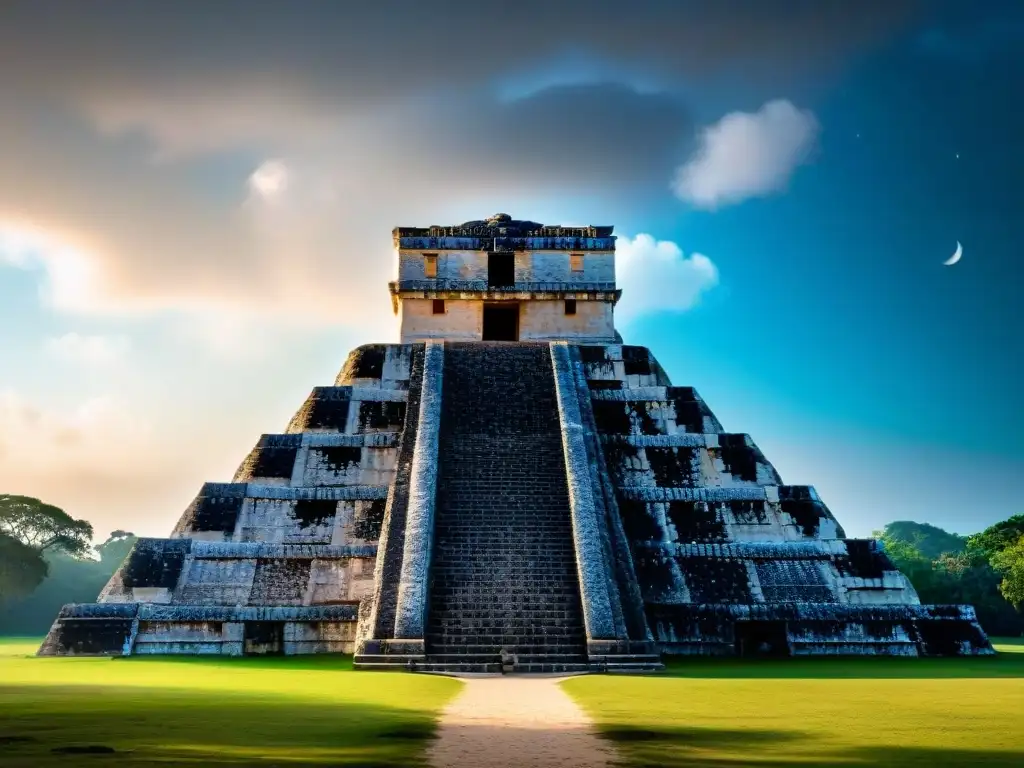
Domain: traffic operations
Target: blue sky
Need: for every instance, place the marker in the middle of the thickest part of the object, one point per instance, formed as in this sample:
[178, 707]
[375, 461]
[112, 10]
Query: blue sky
[159, 310]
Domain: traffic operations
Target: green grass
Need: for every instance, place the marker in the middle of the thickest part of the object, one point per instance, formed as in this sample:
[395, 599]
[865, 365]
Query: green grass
[211, 711]
[851, 712]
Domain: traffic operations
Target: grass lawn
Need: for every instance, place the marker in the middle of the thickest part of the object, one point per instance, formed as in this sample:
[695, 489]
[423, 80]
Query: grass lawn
[814, 712]
[279, 711]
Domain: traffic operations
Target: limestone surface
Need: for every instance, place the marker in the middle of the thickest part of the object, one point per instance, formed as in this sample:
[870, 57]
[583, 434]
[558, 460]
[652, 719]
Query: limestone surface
[516, 490]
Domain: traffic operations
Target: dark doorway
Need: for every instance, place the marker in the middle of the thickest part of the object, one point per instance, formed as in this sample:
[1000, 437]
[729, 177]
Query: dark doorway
[761, 639]
[501, 270]
[264, 638]
[501, 322]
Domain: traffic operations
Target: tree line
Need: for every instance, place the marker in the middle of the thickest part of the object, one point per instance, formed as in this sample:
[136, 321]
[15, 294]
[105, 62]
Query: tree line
[985, 569]
[47, 560]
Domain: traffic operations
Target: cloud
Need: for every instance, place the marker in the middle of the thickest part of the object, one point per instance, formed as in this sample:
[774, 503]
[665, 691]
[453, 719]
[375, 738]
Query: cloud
[302, 234]
[88, 350]
[248, 160]
[655, 276]
[747, 154]
[365, 54]
[270, 179]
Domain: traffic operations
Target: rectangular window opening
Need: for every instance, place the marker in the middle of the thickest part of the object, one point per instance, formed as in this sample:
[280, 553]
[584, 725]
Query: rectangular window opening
[430, 265]
[438, 306]
[576, 262]
[570, 306]
[501, 270]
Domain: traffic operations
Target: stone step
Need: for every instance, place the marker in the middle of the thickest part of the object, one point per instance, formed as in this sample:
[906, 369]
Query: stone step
[503, 572]
[518, 637]
[521, 658]
[486, 613]
[468, 648]
[511, 631]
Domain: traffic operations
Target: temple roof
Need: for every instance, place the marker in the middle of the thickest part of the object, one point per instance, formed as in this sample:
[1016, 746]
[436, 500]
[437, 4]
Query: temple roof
[502, 225]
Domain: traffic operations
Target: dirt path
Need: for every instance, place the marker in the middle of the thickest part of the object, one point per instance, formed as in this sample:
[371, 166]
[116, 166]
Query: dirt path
[508, 722]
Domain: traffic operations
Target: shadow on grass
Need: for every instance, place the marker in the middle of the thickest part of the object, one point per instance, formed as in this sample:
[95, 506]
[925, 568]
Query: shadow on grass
[675, 747]
[152, 725]
[1000, 665]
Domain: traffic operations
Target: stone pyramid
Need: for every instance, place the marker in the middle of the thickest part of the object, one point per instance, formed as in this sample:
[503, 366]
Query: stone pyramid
[509, 488]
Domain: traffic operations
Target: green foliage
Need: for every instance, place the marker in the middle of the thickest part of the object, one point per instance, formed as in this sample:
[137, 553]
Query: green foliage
[22, 568]
[70, 580]
[931, 541]
[1010, 563]
[43, 526]
[998, 537]
[963, 577]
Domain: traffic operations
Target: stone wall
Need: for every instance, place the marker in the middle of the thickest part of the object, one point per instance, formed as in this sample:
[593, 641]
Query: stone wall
[530, 266]
[727, 556]
[539, 319]
[280, 559]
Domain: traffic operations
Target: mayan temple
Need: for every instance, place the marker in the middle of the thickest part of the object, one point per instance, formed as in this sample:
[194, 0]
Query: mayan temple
[509, 487]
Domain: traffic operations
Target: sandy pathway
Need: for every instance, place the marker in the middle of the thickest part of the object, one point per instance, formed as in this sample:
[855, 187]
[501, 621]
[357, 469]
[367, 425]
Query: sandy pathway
[508, 722]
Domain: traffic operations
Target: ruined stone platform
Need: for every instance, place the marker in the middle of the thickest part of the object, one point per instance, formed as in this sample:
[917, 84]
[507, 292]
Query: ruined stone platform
[565, 504]
[543, 502]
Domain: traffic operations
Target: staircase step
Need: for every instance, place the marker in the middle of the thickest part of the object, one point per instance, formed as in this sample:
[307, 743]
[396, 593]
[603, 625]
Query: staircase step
[503, 571]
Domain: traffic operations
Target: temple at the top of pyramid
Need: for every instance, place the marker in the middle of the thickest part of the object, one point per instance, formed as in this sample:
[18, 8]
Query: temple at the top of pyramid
[509, 488]
[502, 279]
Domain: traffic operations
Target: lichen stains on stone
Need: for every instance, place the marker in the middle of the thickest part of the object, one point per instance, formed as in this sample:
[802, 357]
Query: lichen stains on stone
[695, 521]
[806, 514]
[604, 384]
[214, 513]
[636, 361]
[748, 512]
[310, 513]
[673, 467]
[341, 458]
[155, 563]
[740, 459]
[612, 417]
[715, 580]
[381, 415]
[640, 524]
[865, 560]
[592, 353]
[368, 520]
[365, 362]
[280, 581]
[269, 461]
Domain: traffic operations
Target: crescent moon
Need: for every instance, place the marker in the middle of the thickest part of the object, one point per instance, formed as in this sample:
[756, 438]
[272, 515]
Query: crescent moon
[956, 255]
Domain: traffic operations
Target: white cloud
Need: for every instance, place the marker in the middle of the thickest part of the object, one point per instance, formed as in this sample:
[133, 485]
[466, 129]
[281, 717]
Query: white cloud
[655, 276]
[270, 179]
[89, 350]
[747, 154]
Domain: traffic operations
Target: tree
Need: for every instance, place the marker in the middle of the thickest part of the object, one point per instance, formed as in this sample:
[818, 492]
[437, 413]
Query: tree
[998, 537]
[930, 540]
[70, 580]
[21, 568]
[30, 529]
[1010, 563]
[955, 578]
[43, 526]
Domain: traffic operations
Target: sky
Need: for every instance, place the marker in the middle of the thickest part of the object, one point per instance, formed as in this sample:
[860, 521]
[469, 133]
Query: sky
[196, 205]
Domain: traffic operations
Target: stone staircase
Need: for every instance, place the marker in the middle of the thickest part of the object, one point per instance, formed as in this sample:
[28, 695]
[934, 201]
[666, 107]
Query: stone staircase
[503, 575]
